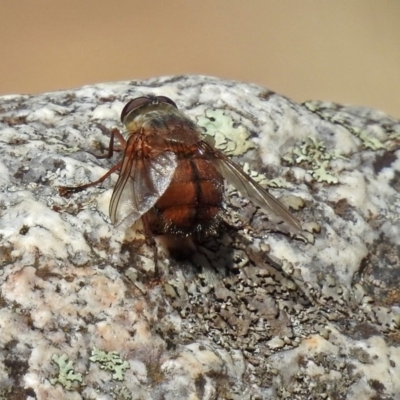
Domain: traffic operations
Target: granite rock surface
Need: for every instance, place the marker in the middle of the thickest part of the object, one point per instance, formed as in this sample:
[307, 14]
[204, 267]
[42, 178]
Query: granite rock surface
[255, 313]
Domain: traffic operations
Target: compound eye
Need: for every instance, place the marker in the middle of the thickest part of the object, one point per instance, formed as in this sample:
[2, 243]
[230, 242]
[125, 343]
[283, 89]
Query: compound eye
[133, 105]
[164, 99]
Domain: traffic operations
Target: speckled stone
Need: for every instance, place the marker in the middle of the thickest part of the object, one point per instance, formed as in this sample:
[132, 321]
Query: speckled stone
[255, 314]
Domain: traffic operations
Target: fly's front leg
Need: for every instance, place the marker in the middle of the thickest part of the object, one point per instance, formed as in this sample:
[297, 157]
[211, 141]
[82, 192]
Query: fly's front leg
[65, 190]
[111, 148]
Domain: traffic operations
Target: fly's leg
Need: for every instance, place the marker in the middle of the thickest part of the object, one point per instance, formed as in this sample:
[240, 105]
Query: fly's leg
[111, 148]
[65, 190]
[148, 234]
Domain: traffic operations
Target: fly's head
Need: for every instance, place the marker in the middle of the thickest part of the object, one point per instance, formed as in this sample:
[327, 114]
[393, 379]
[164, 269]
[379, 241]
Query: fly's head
[148, 112]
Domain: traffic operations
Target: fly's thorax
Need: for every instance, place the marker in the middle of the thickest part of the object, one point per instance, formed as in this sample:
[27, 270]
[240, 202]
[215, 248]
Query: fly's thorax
[151, 115]
[165, 121]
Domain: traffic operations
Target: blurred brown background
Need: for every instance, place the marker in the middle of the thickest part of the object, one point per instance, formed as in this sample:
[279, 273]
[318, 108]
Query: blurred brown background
[345, 51]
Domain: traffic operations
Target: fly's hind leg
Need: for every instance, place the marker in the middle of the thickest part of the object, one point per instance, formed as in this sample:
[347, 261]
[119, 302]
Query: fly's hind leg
[65, 190]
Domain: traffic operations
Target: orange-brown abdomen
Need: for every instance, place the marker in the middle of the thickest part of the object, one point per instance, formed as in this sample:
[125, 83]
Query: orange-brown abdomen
[192, 202]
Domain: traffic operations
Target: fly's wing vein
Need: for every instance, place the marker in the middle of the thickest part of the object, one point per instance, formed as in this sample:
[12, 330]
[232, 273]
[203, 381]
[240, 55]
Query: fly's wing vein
[140, 184]
[248, 187]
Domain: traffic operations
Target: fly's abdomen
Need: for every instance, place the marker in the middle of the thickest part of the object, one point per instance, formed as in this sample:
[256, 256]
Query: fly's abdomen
[192, 202]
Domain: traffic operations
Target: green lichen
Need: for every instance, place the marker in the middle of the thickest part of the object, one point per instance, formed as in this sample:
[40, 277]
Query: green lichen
[368, 141]
[320, 174]
[230, 136]
[122, 393]
[66, 375]
[311, 106]
[110, 361]
[262, 179]
[313, 156]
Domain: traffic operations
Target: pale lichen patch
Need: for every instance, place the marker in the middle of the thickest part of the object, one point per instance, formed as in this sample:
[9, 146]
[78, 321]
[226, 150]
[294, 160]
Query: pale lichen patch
[229, 134]
[368, 141]
[312, 154]
[66, 374]
[110, 361]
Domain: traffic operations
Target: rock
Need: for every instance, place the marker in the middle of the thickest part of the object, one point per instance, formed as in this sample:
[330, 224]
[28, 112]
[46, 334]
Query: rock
[258, 314]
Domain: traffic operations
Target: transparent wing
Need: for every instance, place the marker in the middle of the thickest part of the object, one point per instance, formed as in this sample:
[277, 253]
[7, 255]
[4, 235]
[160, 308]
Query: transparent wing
[141, 182]
[249, 188]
